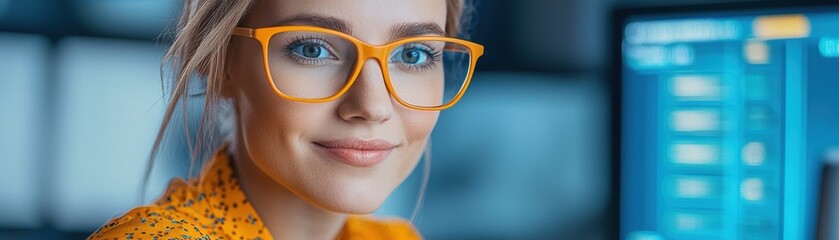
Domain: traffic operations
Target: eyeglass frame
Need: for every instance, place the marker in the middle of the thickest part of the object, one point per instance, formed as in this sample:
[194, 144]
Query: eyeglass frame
[365, 51]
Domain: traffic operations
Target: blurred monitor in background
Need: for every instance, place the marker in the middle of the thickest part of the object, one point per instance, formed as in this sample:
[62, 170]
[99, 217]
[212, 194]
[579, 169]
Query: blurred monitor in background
[22, 64]
[81, 91]
[828, 226]
[725, 113]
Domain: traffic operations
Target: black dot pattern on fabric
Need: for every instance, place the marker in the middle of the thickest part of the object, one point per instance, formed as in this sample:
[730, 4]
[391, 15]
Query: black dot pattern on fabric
[213, 206]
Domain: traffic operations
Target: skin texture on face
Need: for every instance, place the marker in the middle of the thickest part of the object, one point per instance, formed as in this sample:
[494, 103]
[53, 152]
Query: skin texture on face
[276, 148]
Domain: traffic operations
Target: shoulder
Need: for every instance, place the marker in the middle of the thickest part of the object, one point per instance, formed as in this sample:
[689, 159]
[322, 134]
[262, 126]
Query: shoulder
[167, 218]
[367, 227]
[149, 222]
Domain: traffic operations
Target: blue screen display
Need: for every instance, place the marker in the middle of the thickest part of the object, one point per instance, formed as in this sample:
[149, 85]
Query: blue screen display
[726, 119]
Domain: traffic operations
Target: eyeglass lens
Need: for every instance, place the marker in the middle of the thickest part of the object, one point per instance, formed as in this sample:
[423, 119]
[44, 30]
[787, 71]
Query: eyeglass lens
[313, 65]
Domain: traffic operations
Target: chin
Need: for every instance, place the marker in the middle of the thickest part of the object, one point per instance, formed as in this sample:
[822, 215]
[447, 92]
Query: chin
[352, 197]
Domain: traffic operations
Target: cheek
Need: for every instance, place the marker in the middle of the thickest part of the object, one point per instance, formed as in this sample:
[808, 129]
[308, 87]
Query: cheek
[418, 124]
[263, 115]
[265, 128]
[417, 127]
[271, 127]
[277, 124]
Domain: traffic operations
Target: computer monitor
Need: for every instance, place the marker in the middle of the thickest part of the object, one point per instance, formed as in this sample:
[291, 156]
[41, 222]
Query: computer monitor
[721, 112]
[829, 198]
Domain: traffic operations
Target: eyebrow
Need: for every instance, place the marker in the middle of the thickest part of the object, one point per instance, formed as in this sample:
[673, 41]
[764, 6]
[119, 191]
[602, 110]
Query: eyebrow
[416, 29]
[399, 31]
[317, 21]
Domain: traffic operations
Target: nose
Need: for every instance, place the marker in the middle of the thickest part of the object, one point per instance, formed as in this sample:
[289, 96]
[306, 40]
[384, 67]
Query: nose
[367, 100]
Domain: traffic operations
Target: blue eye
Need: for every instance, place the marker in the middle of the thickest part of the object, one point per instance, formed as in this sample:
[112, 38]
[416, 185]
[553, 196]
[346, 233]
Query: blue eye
[311, 50]
[410, 55]
[414, 56]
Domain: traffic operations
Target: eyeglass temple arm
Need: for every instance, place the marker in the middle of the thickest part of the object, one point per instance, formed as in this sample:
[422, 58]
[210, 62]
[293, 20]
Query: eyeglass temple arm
[244, 32]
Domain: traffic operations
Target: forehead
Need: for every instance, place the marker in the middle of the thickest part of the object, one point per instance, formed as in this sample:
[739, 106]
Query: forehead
[373, 21]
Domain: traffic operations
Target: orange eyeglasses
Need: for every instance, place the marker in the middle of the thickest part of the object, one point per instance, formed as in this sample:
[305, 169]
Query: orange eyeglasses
[313, 64]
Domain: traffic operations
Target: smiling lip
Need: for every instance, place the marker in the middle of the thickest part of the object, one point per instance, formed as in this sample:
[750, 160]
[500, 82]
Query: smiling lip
[358, 152]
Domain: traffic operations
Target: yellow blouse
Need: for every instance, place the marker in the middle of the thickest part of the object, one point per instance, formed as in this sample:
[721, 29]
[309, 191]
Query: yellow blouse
[212, 206]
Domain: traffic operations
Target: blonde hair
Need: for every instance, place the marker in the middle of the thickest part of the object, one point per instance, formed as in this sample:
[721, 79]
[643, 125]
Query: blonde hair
[197, 57]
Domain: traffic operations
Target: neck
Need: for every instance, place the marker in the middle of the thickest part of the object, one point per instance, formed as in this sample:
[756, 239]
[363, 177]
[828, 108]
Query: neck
[284, 213]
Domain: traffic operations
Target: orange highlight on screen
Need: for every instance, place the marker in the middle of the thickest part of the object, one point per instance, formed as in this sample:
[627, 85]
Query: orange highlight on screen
[781, 26]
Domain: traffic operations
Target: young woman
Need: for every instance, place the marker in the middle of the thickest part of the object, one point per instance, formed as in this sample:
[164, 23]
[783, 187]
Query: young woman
[331, 103]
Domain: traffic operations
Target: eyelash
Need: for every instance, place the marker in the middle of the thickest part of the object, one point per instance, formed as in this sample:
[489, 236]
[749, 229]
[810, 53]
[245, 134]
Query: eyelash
[299, 40]
[288, 50]
[435, 56]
